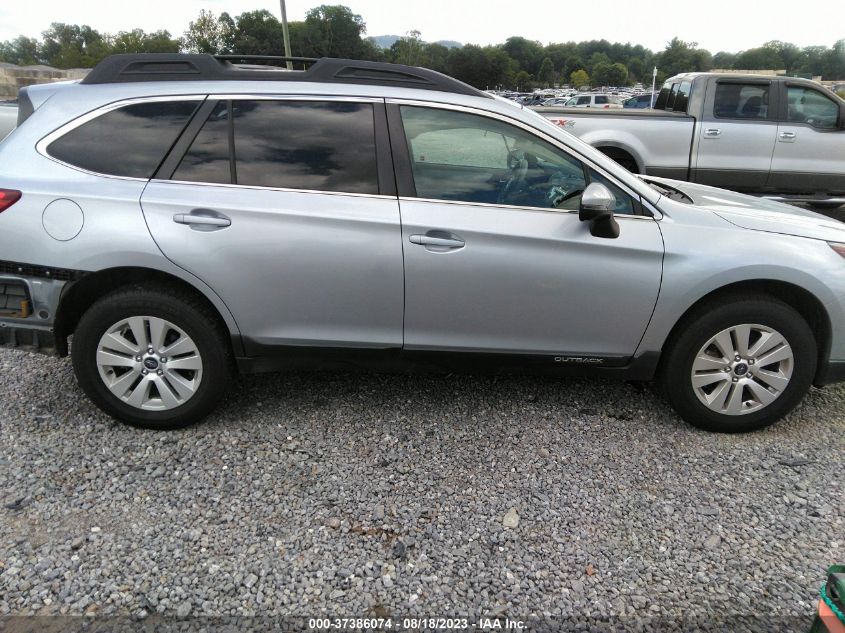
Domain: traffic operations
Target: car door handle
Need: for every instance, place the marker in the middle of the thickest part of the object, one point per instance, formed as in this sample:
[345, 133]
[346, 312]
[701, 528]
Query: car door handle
[439, 240]
[712, 132]
[200, 220]
[787, 136]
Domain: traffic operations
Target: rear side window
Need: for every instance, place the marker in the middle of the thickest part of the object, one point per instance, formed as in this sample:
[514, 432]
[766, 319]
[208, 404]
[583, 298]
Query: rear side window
[741, 101]
[322, 146]
[129, 141]
[309, 145]
[601, 99]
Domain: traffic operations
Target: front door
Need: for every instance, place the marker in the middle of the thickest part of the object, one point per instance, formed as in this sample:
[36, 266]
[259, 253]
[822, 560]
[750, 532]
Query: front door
[276, 205]
[496, 259]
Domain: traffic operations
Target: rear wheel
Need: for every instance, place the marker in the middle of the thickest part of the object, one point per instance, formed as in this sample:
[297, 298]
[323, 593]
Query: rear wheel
[152, 358]
[740, 366]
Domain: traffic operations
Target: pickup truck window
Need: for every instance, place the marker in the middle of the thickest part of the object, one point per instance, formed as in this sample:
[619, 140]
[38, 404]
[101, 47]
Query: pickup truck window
[601, 99]
[682, 96]
[583, 101]
[663, 96]
[812, 107]
[741, 101]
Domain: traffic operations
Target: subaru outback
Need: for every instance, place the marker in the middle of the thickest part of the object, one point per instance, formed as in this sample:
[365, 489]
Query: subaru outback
[177, 219]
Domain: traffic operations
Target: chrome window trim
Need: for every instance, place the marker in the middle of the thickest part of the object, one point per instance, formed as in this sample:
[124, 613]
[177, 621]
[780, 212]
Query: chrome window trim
[528, 128]
[512, 207]
[41, 146]
[278, 189]
[263, 96]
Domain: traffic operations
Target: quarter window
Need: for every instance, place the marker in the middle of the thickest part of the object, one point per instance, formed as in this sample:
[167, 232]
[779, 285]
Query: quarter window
[812, 107]
[129, 141]
[741, 101]
[208, 159]
[470, 158]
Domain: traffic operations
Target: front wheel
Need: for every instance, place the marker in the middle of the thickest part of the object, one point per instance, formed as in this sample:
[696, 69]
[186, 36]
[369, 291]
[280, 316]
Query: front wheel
[740, 366]
[152, 358]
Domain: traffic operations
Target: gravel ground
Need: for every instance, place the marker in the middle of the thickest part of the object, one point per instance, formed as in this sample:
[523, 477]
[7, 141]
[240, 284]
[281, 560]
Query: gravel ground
[381, 495]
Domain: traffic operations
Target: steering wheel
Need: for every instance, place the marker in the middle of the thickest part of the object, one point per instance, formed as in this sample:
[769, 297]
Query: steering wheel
[518, 171]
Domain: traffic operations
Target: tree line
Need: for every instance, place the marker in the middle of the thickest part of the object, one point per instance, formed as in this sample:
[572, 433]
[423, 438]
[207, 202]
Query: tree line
[335, 31]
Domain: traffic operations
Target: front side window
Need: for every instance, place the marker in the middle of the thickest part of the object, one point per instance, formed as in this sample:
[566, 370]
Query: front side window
[470, 158]
[812, 107]
[308, 145]
[583, 100]
[741, 101]
[129, 141]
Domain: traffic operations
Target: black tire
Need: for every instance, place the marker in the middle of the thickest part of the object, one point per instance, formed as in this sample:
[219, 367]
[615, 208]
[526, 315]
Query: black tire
[180, 309]
[708, 321]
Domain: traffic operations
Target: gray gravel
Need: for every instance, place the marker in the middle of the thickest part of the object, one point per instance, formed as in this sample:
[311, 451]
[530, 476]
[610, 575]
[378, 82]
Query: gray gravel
[431, 496]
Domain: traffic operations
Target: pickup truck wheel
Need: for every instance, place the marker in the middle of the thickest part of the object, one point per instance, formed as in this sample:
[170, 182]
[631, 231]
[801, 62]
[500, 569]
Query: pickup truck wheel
[740, 366]
[151, 358]
[622, 157]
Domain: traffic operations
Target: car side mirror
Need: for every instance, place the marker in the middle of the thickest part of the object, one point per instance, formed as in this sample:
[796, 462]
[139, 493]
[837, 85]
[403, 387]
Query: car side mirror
[597, 204]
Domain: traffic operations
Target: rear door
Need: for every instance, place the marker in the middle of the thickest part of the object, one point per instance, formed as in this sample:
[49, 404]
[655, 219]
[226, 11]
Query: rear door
[286, 209]
[809, 154]
[736, 134]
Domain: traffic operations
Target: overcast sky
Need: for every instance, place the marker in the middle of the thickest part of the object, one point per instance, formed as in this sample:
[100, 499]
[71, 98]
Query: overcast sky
[716, 25]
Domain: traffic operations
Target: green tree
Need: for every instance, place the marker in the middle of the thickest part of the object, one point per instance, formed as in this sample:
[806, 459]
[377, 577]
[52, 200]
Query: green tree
[252, 33]
[137, 41]
[546, 74]
[682, 57]
[22, 51]
[762, 58]
[408, 50]
[206, 34]
[600, 73]
[334, 31]
[526, 53]
[723, 59]
[617, 75]
[579, 78]
[72, 46]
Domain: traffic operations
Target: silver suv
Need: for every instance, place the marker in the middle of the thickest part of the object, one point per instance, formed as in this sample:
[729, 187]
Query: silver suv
[186, 217]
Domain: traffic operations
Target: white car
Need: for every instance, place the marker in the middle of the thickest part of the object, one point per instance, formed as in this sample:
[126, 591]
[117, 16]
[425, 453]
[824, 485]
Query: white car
[589, 100]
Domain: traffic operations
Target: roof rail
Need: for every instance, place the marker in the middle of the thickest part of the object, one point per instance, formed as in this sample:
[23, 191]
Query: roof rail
[144, 67]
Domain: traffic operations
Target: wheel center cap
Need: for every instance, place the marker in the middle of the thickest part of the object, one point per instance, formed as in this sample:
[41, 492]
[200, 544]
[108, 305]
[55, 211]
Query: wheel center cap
[741, 369]
[151, 363]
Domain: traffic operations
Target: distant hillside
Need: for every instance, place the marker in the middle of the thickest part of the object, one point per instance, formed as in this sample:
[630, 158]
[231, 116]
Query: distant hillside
[386, 41]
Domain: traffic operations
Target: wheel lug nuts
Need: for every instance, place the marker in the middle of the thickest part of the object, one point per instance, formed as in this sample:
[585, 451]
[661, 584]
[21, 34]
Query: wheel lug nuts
[737, 357]
[751, 361]
[138, 358]
[144, 372]
[160, 373]
[736, 379]
[163, 359]
[727, 369]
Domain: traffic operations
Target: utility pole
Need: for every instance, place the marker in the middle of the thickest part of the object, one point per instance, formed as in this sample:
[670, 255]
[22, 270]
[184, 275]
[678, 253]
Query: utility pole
[286, 33]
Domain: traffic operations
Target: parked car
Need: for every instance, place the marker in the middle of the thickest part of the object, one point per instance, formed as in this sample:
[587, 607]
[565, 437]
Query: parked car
[555, 101]
[366, 213]
[781, 137]
[638, 101]
[590, 100]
